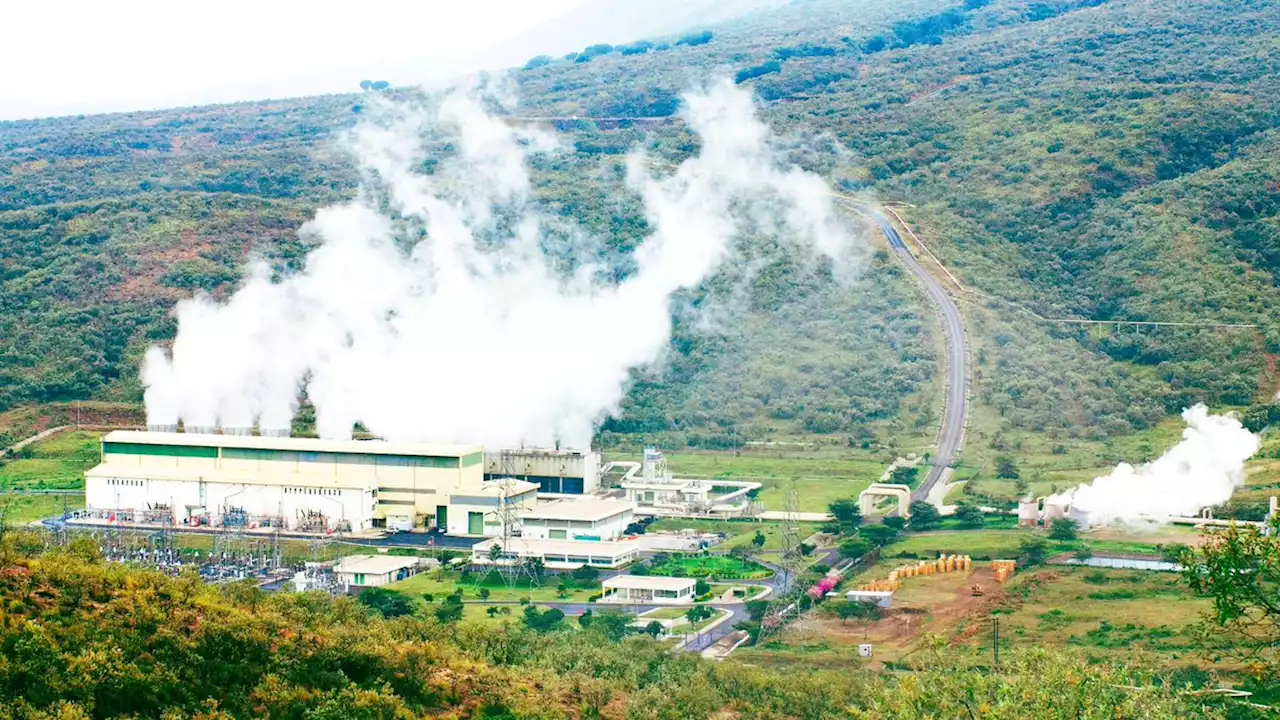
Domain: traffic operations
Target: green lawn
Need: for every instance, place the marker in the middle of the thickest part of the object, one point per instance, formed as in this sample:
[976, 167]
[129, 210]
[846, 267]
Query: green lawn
[992, 543]
[820, 476]
[55, 464]
[442, 583]
[711, 566]
[740, 532]
[670, 613]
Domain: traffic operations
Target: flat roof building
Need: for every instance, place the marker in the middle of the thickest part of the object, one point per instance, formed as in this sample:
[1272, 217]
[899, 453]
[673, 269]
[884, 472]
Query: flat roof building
[594, 520]
[648, 589]
[567, 472]
[556, 554]
[304, 484]
[373, 570]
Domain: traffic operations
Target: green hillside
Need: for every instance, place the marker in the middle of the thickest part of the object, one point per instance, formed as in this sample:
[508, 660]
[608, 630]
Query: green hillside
[1096, 159]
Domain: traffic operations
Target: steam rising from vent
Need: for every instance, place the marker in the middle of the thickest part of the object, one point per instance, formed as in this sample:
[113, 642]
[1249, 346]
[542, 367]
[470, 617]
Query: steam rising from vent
[1200, 471]
[432, 309]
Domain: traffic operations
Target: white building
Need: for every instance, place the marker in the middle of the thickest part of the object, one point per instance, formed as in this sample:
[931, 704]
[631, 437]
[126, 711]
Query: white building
[559, 472]
[557, 554]
[596, 520]
[648, 590]
[303, 484]
[373, 570]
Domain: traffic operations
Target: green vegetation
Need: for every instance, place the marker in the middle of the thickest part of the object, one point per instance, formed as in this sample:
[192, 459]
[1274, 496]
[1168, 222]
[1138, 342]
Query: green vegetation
[714, 567]
[54, 464]
[492, 585]
[87, 639]
[1077, 158]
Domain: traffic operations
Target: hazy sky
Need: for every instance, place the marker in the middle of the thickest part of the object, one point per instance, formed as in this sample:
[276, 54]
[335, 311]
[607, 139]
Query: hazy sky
[79, 56]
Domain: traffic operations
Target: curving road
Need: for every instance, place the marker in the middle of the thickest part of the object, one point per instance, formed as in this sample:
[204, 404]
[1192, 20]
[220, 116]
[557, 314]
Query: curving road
[956, 410]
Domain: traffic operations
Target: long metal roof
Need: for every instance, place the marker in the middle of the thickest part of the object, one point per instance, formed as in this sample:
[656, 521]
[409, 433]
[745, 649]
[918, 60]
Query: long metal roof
[372, 447]
[584, 510]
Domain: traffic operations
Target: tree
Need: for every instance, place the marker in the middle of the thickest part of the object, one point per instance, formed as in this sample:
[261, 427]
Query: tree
[879, 534]
[874, 44]
[584, 619]
[492, 610]
[848, 609]
[756, 609]
[701, 587]
[585, 575]
[847, 513]
[856, 547]
[1032, 551]
[612, 624]
[923, 515]
[543, 621]
[537, 62]
[969, 515]
[895, 523]
[757, 540]
[387, 603]
[698, 613]
[654, 628]
[483, 593]
[1006, 467]
[1083, 553]
[562, 591]
[428, 598]
[1063, 529]
[450, 611]
[905, 475]
[1239, 570]
[366, 84]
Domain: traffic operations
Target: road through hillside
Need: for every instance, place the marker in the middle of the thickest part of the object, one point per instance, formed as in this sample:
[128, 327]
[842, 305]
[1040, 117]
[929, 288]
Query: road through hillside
[956, 410]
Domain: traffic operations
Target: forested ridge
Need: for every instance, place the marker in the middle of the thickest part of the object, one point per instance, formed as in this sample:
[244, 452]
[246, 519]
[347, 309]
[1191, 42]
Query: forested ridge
[1094, 159]
[81, 638]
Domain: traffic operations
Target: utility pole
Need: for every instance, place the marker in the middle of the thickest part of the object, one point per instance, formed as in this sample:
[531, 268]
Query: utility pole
[995, 637]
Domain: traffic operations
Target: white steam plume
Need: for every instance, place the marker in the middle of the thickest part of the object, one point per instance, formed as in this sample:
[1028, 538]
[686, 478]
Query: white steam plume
[431, 311]
[1200, 471]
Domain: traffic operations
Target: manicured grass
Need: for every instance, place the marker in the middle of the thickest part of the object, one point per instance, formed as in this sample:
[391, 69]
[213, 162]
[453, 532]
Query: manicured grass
[55, 464]
[1003, 542]
[820, 476]
[670, 613]
[442, 583]
[740, 532]
[20, 510]
[720, 567]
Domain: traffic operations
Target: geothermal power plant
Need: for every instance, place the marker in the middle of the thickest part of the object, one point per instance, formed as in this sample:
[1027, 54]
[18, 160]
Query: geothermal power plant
[551, 501]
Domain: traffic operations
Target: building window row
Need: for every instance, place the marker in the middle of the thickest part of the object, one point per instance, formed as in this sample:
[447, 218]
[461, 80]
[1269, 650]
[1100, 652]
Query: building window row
[311, 491]
[120, 482]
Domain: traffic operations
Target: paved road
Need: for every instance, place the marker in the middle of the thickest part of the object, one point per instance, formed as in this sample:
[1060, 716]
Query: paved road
[957, 407]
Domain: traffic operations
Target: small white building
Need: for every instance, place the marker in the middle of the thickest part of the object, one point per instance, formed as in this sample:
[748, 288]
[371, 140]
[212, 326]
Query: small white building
[373, 570]
[594, 520]
[557, 554]
[882, 598]
[477, 511]
[648, 590]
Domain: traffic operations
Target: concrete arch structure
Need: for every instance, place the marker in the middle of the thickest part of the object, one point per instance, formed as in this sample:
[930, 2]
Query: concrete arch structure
[867, 498]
